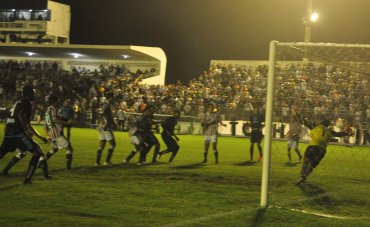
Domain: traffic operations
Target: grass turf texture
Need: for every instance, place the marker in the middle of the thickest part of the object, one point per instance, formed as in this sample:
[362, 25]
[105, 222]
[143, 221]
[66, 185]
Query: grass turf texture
[186, 193]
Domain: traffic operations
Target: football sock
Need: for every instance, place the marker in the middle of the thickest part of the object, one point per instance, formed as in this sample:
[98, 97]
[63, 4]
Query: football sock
[131, 155]
[109, 155]
[251, 152]
[44, 165]
[173, 155]
[13, 161]
[31, 168]
[215, 152]
[205, 156]
[98, 156]
[69, 158]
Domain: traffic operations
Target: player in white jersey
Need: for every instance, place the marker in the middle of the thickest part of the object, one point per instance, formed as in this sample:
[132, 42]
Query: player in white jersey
[54, 128]
[210, 131]
[293, 137]
[136, 139]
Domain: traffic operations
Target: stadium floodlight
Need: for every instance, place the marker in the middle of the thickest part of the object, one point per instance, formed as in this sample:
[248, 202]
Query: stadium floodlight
[30, 54]
[314, 17]
[125, 56]
[76, 55]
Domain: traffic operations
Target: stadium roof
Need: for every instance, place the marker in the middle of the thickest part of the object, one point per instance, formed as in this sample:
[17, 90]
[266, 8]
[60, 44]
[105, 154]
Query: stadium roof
[82, 52]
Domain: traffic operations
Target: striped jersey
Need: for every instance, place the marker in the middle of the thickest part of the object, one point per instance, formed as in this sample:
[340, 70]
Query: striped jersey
[54, 129]
[210, 122]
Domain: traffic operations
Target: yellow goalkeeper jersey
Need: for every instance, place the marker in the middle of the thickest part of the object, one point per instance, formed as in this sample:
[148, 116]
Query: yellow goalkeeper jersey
[320, 136]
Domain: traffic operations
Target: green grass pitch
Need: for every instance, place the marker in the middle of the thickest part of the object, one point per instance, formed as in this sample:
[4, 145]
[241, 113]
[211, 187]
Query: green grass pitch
[186, 192]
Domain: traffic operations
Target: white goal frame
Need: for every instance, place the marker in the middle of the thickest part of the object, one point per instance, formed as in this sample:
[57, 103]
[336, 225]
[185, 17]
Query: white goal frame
[302, 51]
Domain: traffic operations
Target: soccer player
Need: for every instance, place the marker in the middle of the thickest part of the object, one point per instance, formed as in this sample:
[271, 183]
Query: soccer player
[53, 127]
[105, 128]
[210, 131]
[293, 137]
[19, 133]
[169, 136]
[66, 114]
[144, 124]
[136, 139]
[256, 120]
[320, 135]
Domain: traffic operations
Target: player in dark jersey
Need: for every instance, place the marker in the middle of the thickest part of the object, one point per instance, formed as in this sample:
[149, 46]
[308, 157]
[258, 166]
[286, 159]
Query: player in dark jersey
[144, 124]
[136, 139]
[320, 135]
[256, 121]
[105, 128]
[19, 132]
[169, 136]
[66, 114]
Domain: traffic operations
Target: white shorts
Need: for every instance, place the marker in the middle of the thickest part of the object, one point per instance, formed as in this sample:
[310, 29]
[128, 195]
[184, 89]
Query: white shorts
[105, 135]
[292, 143]
[60, 142]
[135, 140]
[208, 139]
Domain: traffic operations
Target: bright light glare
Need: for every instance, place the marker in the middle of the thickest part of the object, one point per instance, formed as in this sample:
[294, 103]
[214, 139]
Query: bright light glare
[314, 17]
[30, 53]
[125, 56]
[76, 55]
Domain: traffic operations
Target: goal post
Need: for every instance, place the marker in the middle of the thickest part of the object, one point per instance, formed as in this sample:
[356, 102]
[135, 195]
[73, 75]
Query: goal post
[354, 58]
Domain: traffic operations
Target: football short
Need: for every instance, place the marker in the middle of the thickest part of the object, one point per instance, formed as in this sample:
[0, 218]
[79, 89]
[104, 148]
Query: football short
[105, 135]
[315, 154]
[256, 137]
[135, 140]
[292, 143]
[170, 142]
[60, 142]
[212, 138]
[20, 141]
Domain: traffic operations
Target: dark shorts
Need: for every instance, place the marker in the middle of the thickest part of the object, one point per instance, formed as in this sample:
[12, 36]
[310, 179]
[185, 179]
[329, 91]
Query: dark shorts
[315, 154]
[20, 141]
[256, 137]
[150, 139]
[170, 142]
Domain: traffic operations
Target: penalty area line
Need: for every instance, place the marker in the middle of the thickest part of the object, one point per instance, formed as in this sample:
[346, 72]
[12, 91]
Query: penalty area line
[319, 214]
[205, 218]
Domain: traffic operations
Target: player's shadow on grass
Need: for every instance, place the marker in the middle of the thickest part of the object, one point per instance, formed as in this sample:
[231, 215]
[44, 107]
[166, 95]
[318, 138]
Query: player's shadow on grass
[317, 195]
[292, 164]
[246, 163]
[190, 166]
[10, 187]
[258, 218]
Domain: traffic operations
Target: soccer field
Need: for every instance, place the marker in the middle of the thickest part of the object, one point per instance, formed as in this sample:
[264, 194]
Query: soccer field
[186, 192]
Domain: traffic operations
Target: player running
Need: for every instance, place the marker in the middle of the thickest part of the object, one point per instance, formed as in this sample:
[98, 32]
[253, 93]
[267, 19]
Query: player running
[144, 124]
[136, 139]
[53, 127]
[19, 133]
[169, 136]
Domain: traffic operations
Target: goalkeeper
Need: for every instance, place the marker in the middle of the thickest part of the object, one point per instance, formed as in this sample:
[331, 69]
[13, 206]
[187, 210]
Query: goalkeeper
[321, 135]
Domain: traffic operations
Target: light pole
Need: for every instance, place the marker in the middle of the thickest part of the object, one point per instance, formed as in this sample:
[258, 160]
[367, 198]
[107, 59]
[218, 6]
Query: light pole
[308, 20]
[307, 29]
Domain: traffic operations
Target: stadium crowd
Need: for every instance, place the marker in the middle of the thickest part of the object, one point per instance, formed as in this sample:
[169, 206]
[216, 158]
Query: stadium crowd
[320, 90]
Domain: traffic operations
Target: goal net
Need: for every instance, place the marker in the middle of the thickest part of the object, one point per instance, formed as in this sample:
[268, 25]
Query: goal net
[321, 81]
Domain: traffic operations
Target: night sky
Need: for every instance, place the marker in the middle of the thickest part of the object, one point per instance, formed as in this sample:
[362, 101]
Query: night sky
[193, 32]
